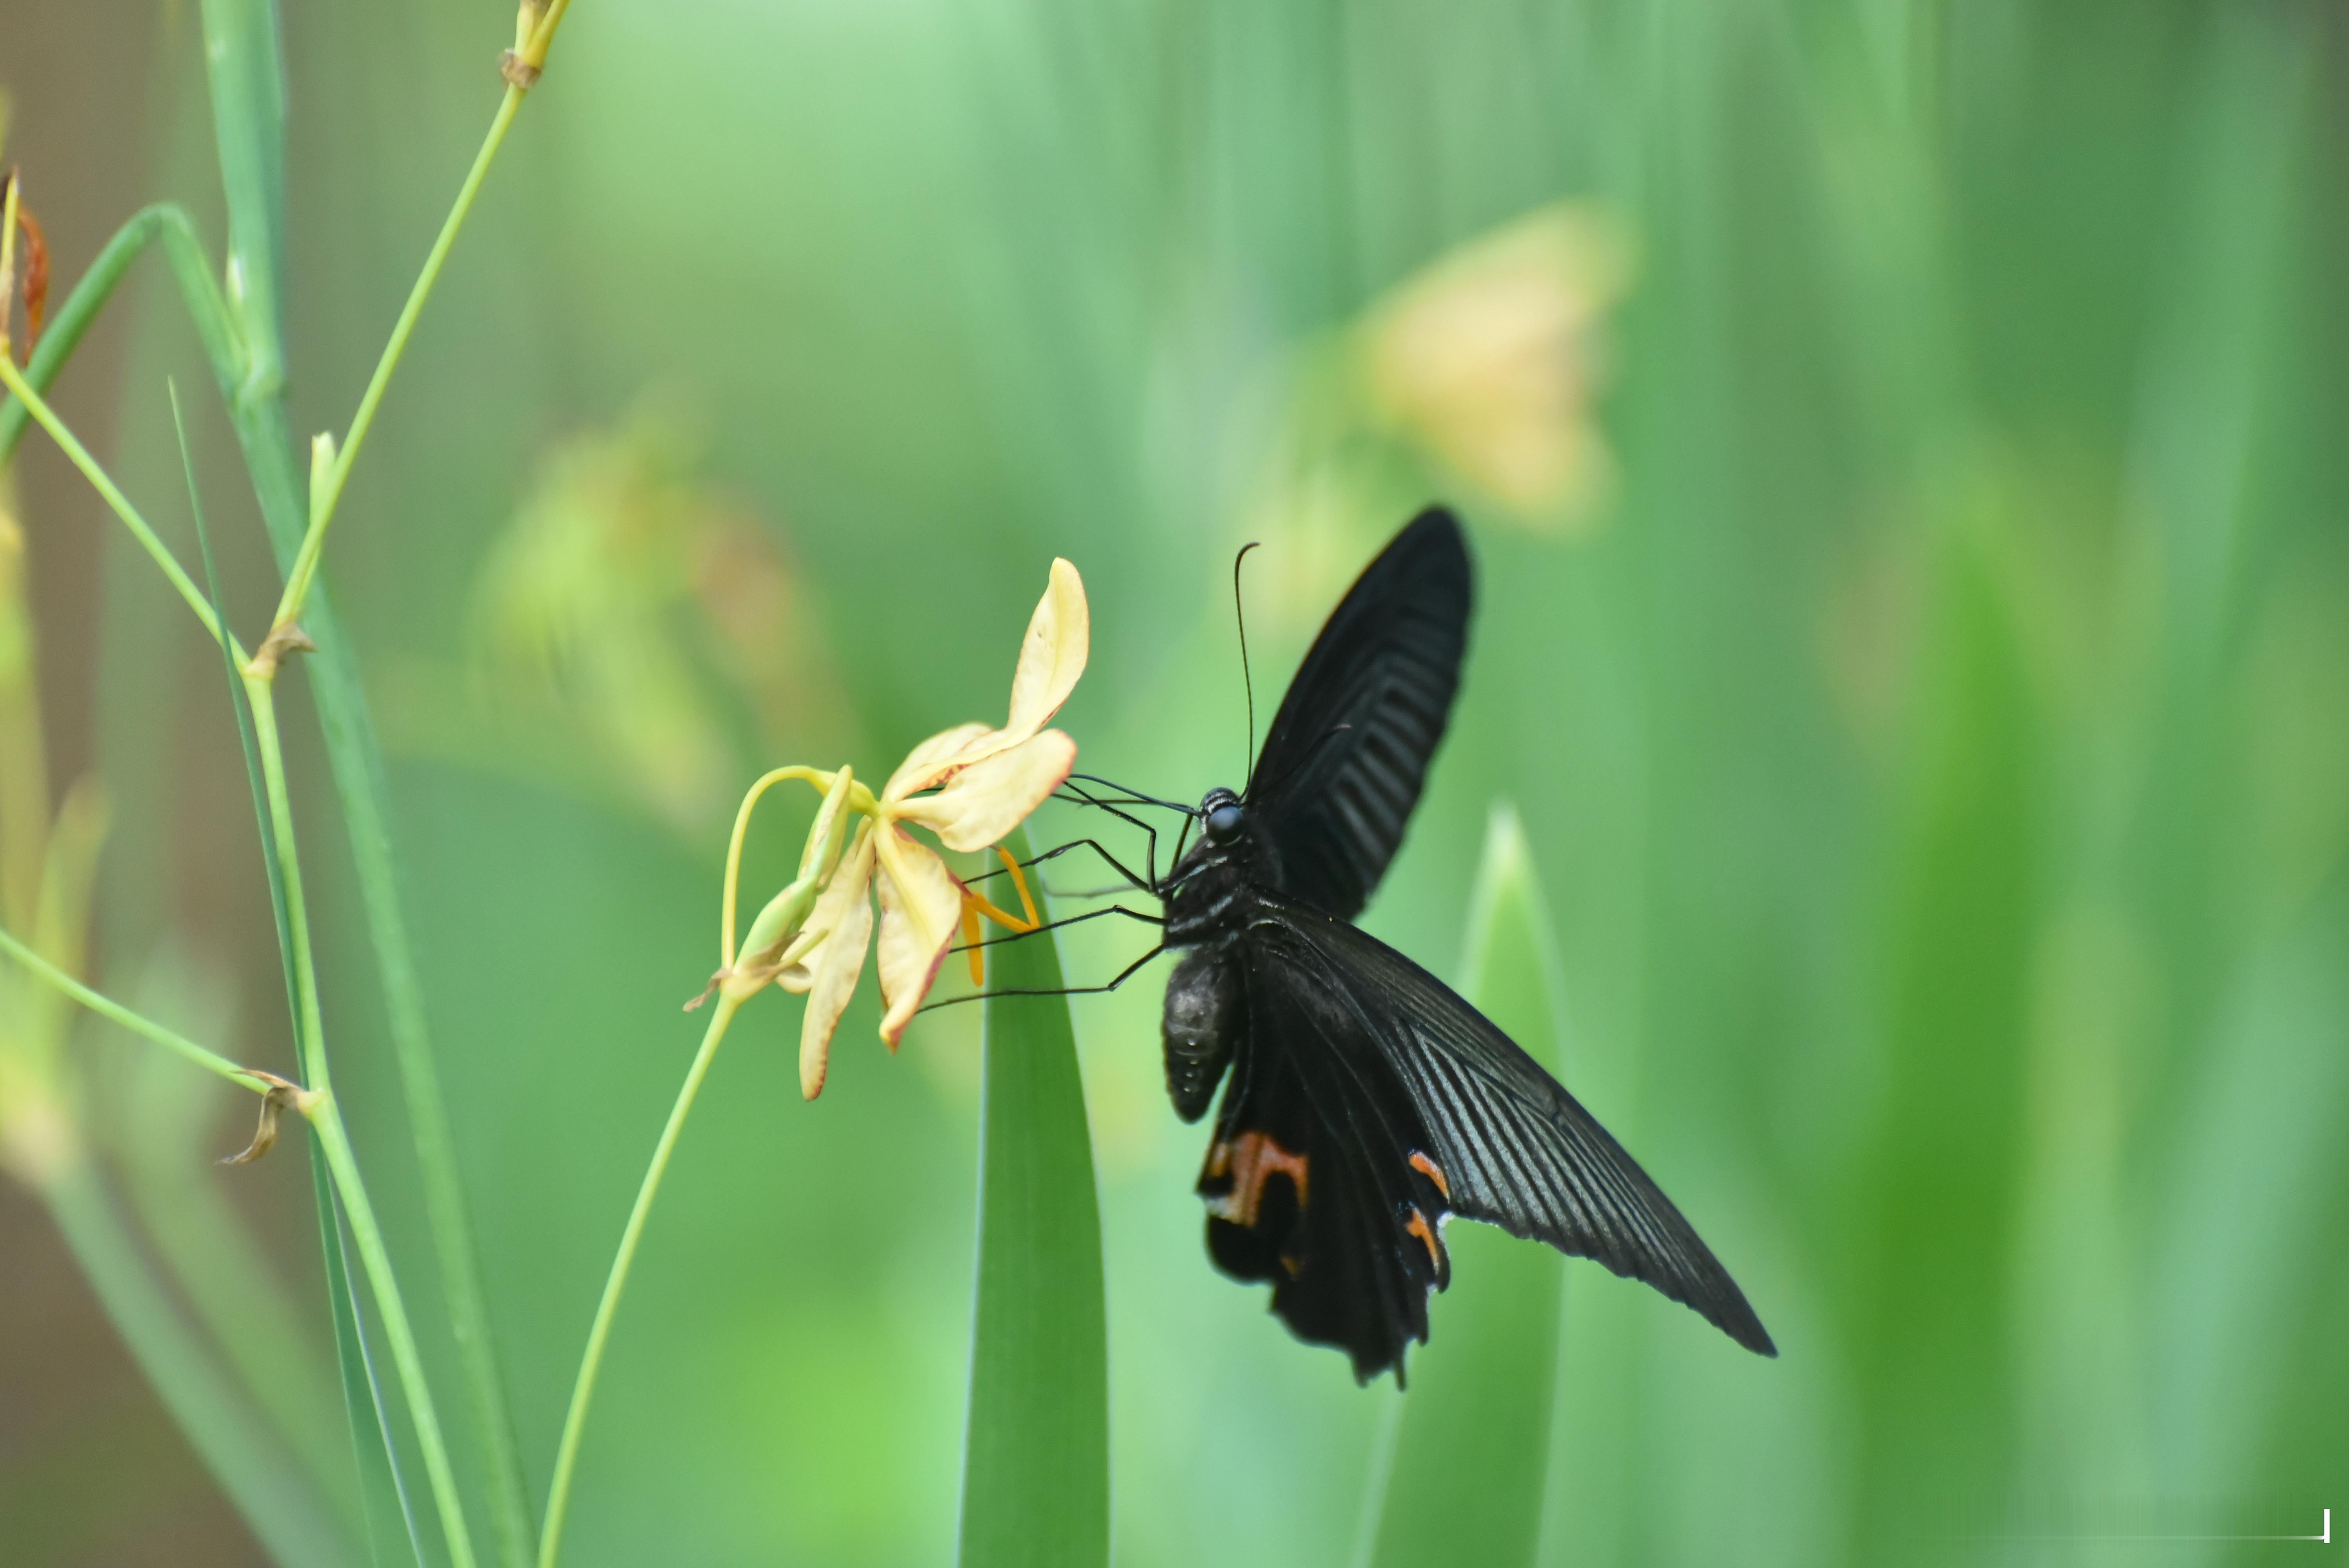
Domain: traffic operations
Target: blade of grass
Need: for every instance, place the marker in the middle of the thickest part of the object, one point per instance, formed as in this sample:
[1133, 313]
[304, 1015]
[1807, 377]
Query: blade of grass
[1035, 1484]
[1467, 1477]
[383, 1493]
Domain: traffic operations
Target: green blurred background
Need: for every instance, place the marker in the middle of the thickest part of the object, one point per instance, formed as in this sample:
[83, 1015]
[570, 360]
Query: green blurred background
[1901, 442]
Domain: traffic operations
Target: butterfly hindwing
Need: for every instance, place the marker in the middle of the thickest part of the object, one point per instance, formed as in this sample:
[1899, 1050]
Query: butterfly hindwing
[1514, 1148]
[1344, 763]
[1310, 1181]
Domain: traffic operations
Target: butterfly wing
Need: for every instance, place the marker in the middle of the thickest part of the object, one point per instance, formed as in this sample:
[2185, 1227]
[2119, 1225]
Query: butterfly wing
[1344, 763]
[1510, 1146]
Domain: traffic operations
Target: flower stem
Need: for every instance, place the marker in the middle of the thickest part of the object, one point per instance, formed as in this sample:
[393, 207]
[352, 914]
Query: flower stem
[574, 1422]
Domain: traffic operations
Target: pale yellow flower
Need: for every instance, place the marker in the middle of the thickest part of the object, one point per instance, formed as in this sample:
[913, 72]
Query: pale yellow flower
[970, 786]
[987, 781]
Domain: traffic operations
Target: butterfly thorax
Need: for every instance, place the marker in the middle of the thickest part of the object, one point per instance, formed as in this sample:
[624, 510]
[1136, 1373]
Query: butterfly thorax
[1207, 895]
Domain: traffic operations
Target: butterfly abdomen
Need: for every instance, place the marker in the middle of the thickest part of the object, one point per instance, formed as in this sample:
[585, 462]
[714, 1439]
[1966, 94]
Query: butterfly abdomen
[1205, 1017]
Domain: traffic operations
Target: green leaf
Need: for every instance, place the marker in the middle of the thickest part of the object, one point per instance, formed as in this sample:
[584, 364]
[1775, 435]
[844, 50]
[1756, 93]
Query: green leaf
[1035, 1488]
[1465, 1480]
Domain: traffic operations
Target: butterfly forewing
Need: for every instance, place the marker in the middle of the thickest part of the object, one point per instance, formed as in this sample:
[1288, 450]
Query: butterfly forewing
[1347, 752]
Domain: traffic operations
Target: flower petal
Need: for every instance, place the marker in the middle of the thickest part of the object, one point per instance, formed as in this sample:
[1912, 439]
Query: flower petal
[989, 799]
[1053, 654]
[1051, 657]
[851, 886]
[837, 959]
[932, 759]
[919, 901]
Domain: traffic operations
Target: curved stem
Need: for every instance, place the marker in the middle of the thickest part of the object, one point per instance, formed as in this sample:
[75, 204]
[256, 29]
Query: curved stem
[558, 1496]
[165, 221]
[860, 798]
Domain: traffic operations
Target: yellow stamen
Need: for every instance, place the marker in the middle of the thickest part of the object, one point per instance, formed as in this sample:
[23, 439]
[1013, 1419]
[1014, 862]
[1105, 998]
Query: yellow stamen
[1020, 883]
[1008, 921]
[970, 942]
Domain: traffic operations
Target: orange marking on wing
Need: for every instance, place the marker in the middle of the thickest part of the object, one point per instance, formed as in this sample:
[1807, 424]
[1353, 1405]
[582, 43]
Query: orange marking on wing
[1428, 1168]
[1417, 1226]
[1249, 1159]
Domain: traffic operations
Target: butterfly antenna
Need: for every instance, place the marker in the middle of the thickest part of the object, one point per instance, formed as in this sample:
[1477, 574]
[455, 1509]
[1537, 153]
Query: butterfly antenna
[1239, 614]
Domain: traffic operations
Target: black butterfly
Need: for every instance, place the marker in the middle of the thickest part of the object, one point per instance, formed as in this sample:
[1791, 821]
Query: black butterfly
[1367, 1102]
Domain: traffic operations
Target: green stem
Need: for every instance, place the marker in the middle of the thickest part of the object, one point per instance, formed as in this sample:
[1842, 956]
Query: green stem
[13, 379]
[323, 500]
[574, 1422]
[310, 1029]
[106, 1008]
[326, 1117]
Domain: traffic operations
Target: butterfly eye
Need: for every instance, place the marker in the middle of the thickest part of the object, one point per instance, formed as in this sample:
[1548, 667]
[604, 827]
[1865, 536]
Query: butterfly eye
[1223, 823]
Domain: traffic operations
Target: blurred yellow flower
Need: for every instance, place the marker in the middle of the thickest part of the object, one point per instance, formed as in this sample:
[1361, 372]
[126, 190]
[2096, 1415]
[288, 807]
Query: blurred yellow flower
[1490, 359]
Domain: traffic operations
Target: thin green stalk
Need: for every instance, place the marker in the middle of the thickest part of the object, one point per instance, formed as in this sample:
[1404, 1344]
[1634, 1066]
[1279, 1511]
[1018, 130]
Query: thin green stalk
[268, 1490]
[574, 1422]
[13, 379]
[310, 1030]
[109, 1008]
[322, 499]
[326, 1117]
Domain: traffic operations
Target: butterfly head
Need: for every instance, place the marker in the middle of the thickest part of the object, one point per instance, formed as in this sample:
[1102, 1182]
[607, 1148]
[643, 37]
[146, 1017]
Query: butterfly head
[1222, 818]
